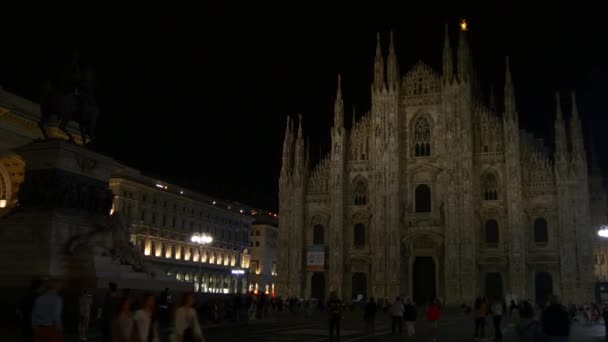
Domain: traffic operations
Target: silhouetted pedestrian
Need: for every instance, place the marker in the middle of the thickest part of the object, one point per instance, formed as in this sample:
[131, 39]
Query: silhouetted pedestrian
[556, 323]
[409, 315]
[46, 314]
[108, 312]
[397, 315]
[369, 315]
[334, 310]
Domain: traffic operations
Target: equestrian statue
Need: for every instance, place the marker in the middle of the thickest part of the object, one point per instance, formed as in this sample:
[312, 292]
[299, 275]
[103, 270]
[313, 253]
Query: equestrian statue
[71, 97]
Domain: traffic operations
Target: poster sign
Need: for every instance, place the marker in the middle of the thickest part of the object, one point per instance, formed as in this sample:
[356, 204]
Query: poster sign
[315, 258]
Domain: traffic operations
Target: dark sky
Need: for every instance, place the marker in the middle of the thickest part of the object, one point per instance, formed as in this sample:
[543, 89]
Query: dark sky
[203, 104]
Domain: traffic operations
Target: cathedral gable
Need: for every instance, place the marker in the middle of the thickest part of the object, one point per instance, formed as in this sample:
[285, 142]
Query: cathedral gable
[421, 86]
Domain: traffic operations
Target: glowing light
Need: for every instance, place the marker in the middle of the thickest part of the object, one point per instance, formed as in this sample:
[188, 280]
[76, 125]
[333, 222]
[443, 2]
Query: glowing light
[241, 211]
[3, 203]
[603, 232]
[464, 26]
[237, 271]
[213, 202]
[160, 186]
[181, 192]
[201, 239]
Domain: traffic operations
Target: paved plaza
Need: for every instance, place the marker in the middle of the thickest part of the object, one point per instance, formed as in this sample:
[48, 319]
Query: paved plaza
[289, 327]
[454, 326]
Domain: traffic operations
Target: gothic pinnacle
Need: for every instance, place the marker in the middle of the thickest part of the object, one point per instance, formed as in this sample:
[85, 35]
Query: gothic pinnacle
[509, 91]
[507, 71]
[378, 65]
[392, 68]
[558, 108]
[574, 106]
[339, 106]
[448, 68]
[299, 127]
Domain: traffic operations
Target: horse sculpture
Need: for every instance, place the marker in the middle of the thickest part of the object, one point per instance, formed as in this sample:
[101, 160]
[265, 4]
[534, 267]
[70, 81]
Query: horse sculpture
[71, 98]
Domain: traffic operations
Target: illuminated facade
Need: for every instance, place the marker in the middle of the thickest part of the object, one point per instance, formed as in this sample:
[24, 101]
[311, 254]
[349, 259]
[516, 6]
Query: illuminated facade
[263, 266]
[164, 219]
[436, 192]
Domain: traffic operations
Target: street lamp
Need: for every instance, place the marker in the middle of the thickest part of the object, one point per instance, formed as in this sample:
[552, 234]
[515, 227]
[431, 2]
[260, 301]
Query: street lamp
[603, 231]
[200, 239]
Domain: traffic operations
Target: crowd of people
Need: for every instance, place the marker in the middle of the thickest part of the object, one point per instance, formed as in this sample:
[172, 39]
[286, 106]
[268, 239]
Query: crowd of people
[122, 317]
[126, 317]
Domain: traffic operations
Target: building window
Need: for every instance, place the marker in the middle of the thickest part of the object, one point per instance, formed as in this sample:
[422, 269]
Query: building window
[153, 218]
[254, 267]
[143, 215]
[492, 234]
[318, 235]
[257, 243]
[423, 199]
[490, 187]
[541, 232]
[422, 137]
[359, 233]
[360, 193]
[257, 232]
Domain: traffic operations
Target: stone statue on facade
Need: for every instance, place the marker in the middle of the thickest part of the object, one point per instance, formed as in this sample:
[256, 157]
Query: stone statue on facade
[71, 97]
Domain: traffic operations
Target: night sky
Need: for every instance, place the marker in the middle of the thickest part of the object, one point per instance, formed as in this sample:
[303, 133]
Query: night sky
[203, 104]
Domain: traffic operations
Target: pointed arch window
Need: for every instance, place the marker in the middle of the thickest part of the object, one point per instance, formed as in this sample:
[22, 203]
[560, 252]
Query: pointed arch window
[360, 193]
[422, 137]
[492, 234]
[423, 198]
[490, 187]
[541, 232]
[318, 234]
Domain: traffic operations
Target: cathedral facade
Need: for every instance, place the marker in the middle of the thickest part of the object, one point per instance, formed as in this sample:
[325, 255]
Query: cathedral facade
[436, 193]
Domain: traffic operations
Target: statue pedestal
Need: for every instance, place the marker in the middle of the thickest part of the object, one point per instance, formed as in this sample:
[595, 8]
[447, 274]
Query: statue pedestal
[62, 226]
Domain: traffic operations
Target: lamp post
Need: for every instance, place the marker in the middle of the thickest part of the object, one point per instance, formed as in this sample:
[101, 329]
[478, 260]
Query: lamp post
[200, 239]
[603, 231]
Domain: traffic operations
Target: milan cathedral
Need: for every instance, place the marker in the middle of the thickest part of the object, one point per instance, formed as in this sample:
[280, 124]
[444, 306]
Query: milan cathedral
[438, 193]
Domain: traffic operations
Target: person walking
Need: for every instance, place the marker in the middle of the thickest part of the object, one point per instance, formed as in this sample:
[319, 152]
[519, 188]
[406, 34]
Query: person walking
[108, 312]
[555, 321]
[46, 314]
[334, 310]
[187, 327]
[146, 326]
[397, 315]
[497, 312]
[164, 308]
[605, 317]
[528, 328]
[25, 310]
[369, 315]
[433, 314]
[84, 305]
[122, 325]
[481, 311]
[409, 315]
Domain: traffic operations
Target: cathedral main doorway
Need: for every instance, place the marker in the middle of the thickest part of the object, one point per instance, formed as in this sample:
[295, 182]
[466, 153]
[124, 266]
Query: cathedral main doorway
[317, 286]
[494, 287]
[424, 282]
[359, 283]
[543, 283]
